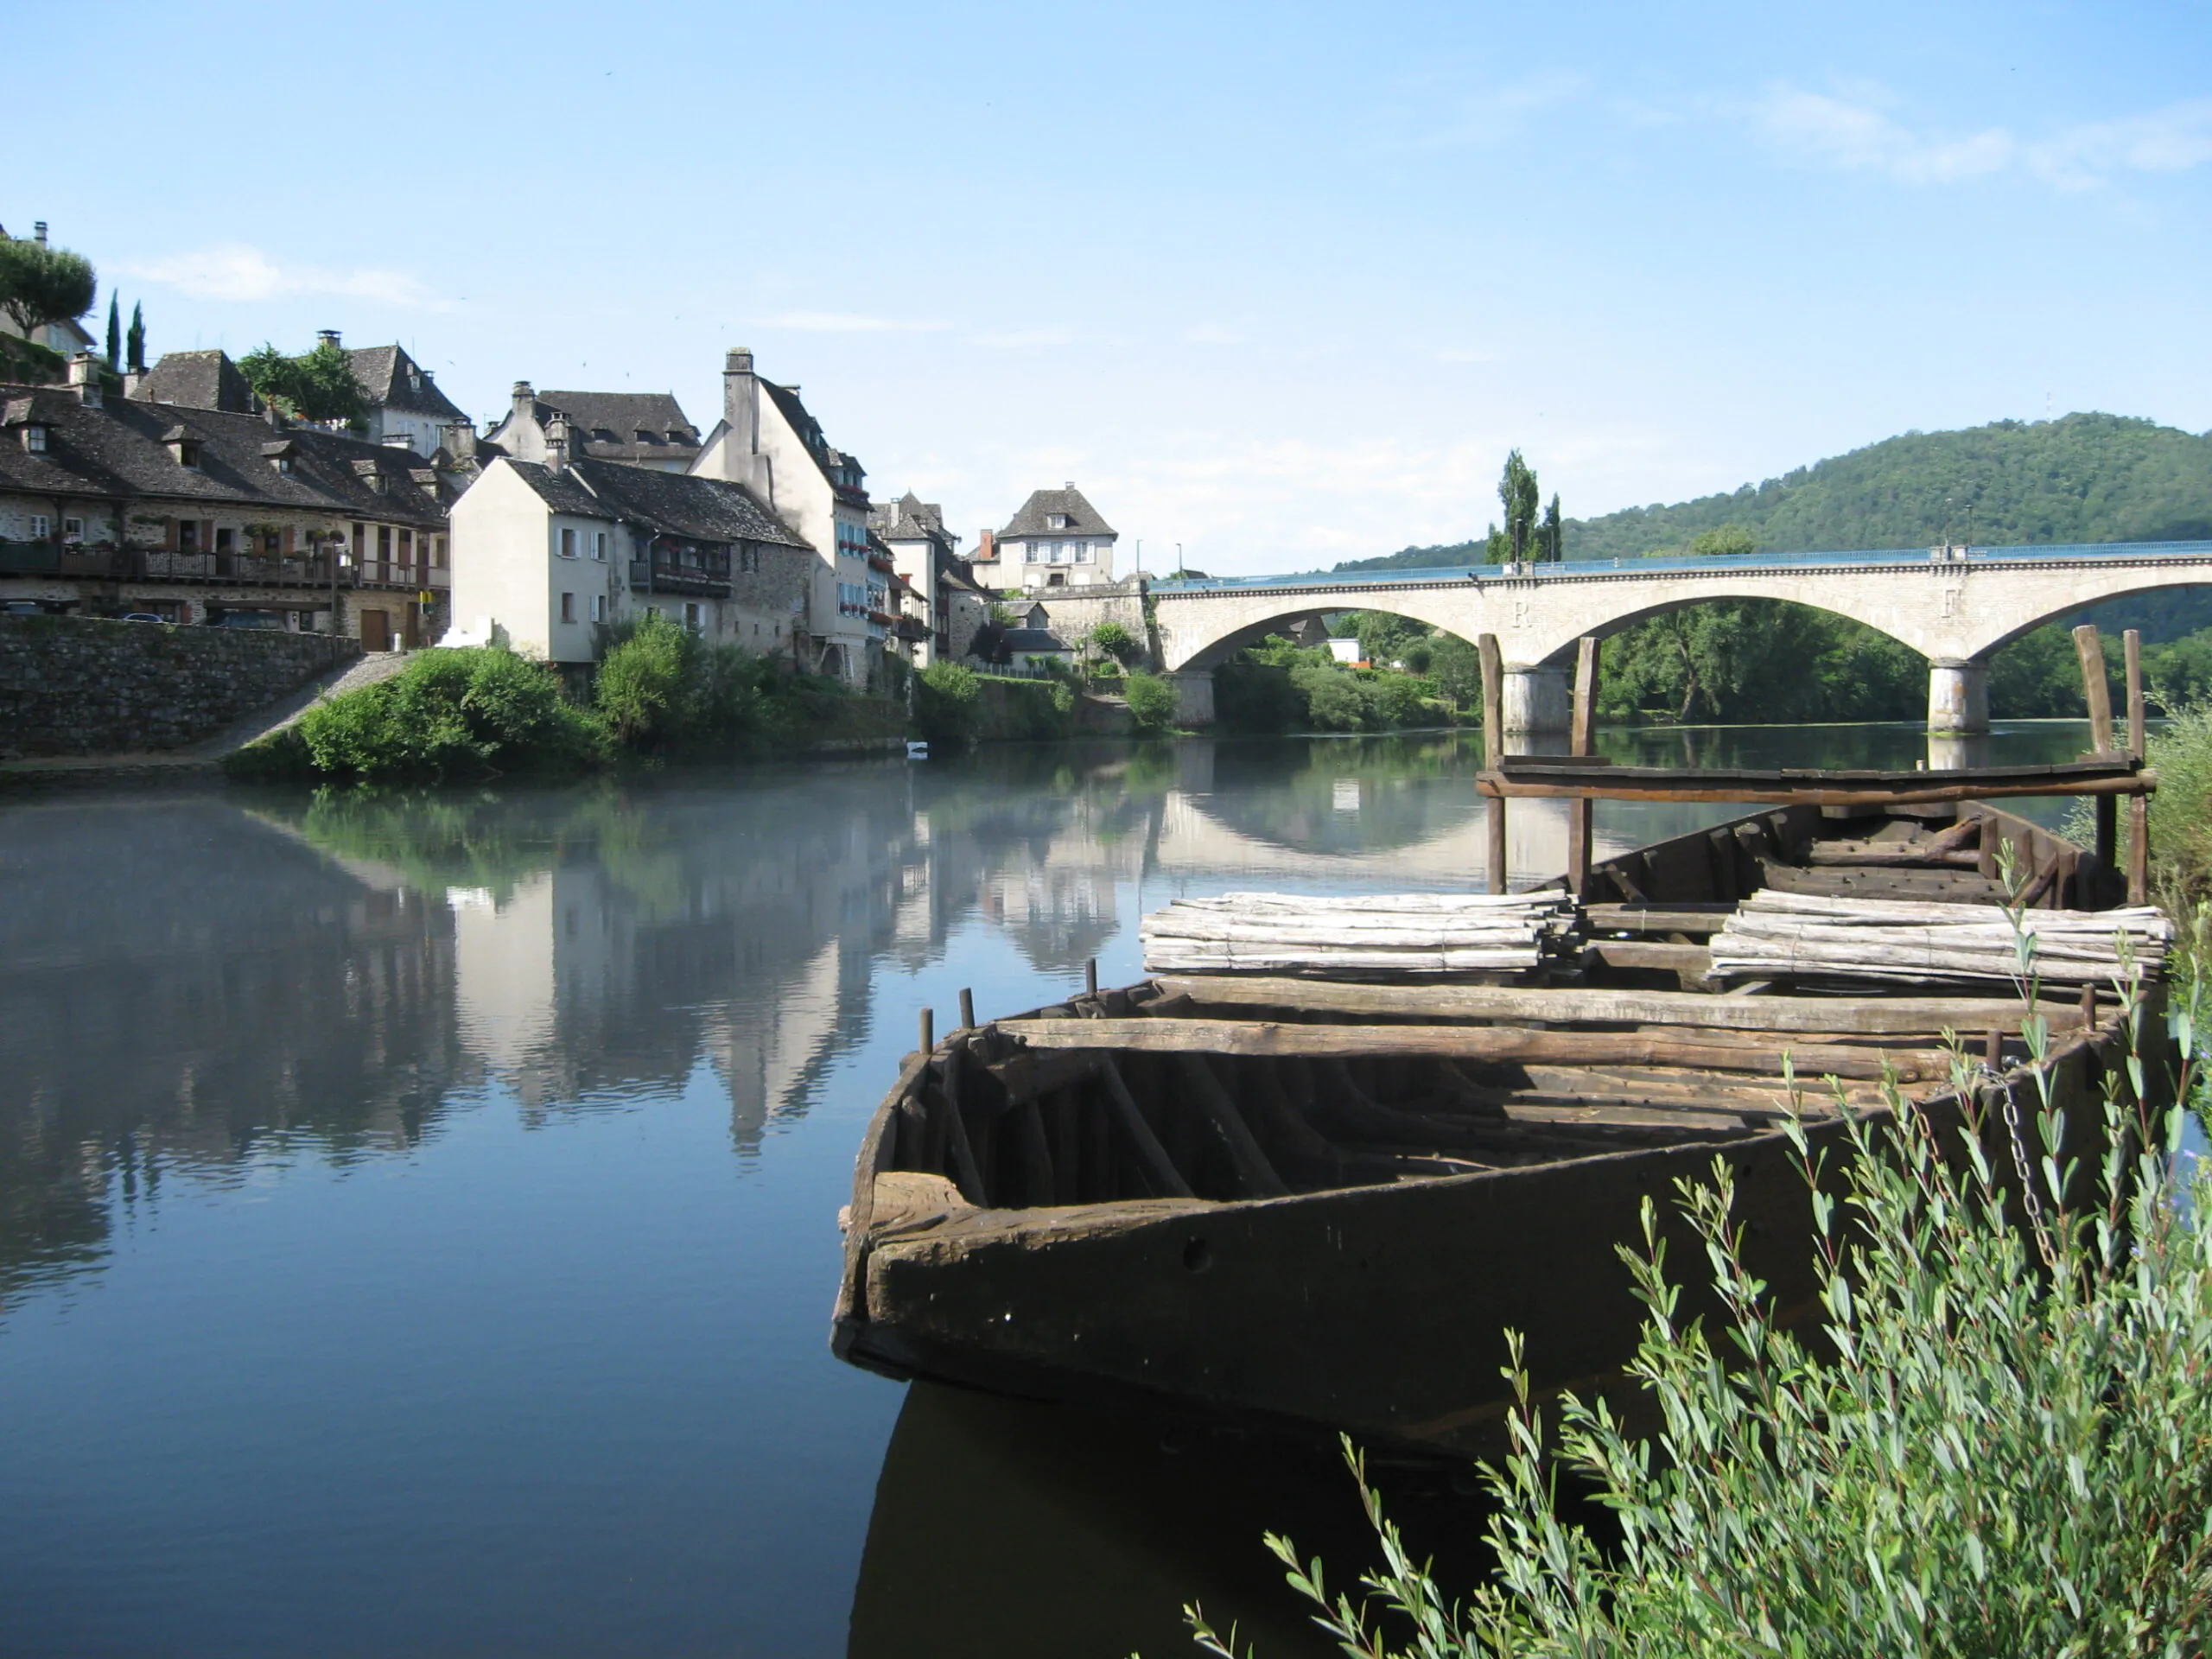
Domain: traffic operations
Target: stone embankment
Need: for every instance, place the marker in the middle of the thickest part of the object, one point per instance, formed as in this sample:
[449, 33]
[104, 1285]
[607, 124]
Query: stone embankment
[87, 686]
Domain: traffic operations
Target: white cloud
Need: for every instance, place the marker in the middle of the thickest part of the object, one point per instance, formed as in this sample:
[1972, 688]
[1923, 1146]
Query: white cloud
[1211, 333]
[848, 322]
[1859, 134]
[1016, 337]
[234, 271]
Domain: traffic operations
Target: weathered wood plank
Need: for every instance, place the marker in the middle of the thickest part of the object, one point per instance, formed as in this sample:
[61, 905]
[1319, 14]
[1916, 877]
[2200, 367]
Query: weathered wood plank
[1157, 1164]
[1257, 1175]
[1621, 784]
[1198, 1038]
[1874, 1014]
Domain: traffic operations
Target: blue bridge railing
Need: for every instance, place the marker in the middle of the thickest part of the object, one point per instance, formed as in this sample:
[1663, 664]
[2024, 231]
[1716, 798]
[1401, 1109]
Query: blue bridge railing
[1574, 568]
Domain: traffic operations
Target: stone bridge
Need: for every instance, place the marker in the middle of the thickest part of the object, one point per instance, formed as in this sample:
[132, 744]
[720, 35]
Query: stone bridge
[1955, 607]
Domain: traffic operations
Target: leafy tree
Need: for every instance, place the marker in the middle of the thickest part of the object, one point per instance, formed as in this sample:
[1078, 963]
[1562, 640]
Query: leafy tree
[1112, 640]
[1729, 540]
[318, 385]
[115, 334]
[135, 342]
[1551, 540]
[40, 284]
[946, 701]
[1152, 702]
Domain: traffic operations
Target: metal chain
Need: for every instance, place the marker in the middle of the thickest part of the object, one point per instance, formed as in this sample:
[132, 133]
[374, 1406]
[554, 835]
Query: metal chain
[2032, 1199]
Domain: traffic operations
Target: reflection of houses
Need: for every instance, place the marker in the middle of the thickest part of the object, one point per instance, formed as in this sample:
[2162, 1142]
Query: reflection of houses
[641, 429]
[111, 505]
[552, 554]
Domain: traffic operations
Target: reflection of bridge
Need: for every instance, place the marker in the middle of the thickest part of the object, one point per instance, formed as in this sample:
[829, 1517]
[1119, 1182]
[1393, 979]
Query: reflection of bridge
[1953, 606]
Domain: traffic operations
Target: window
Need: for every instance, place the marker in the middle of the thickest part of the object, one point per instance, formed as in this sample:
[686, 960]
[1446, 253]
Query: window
[567, 543]
[599, 607]
[383, 543]
[1056, 521]
[41, 526]
[599, 545]
[226, 540]
[568, 608]
[438, 553]
[72, 530]
[694, 620]
[1035, 552]
[187, 535]
[406, 550]
[748, 558]
[34, 439]
[361, 541]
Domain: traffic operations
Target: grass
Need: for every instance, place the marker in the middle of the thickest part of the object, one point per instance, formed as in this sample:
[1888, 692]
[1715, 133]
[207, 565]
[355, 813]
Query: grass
[1997, 1442]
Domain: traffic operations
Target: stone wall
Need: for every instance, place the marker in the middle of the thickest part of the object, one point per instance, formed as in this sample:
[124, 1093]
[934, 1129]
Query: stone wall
[83, 685]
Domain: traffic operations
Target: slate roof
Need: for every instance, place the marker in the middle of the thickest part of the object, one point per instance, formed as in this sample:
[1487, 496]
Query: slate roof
[1039, 640]
[120, 450]
[698, 509]
[197, 380]
[605, 425]
[390, 378]
[909, 519]
[1082, 518]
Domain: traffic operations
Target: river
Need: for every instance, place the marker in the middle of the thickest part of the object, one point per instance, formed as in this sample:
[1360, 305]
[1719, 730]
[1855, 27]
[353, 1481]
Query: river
[417, 1215]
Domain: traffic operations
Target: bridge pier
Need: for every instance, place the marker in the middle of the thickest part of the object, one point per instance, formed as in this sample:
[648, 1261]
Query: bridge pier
[1193, 696]
[1537, 703]
[1958, 696]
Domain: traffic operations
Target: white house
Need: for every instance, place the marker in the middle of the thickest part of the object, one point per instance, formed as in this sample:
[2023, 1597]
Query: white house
[546, 553]
[768, 441]
[1057, 540]
[644, 428]
[924, 552]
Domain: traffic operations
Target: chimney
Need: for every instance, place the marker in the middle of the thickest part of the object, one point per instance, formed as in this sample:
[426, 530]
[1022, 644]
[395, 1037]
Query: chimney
[986, 547]
[38, 233]
[85, 379]
[459, 439]
[741, 402]
[133, 384]
[557, 444]
[328, 337]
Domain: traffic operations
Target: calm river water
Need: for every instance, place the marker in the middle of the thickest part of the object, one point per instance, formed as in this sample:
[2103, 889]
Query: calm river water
[418, 1216]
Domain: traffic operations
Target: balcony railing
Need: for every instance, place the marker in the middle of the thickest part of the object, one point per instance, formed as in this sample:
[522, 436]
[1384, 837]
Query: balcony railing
[647, 577]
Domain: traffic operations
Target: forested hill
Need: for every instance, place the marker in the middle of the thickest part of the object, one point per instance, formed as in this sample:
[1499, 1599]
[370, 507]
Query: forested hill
[2084, 477]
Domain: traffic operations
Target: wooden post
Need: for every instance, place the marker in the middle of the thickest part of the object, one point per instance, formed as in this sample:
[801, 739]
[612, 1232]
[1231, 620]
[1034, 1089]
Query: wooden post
[1091, 976]
[2091, 650]
[2138, 806]
[1493, 668]
[929, 1029]
[1582, 740]
[967, 1009]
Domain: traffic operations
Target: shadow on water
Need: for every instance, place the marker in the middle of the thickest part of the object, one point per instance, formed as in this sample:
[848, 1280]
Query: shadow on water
[1009, 1527]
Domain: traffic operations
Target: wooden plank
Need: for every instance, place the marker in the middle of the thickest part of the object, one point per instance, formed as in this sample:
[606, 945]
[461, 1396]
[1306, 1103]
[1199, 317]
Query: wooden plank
[1699, 917]
[1153, 1156]
[1624, 783]
[1532, 1004]
[1192, 1039]
[2113, 762]
[1493, 672]
[2138, 809]
[2089, 647]
[1582, 732]
[965, 1172]
[1642, 953]
[1257, 1175]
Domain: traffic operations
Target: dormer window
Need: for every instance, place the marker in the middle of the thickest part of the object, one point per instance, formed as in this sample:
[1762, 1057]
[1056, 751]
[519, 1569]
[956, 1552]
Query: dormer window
[35, 438]
[1056, 521]
[279, 456]
[183, 447]
[370, 474]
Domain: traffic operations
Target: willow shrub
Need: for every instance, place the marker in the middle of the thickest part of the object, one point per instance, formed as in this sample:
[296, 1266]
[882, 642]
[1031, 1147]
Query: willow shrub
[2005, 1447]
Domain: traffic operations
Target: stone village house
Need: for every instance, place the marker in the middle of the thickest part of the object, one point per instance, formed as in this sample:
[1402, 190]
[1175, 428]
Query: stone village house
[1057, 540]
[554, 552]
[114, 505]
[646, 429]
[939, 586]
[768, 441]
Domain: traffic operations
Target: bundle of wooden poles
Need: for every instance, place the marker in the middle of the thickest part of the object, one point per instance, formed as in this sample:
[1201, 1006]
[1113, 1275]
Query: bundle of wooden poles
[1774, 934]
[1413, 933]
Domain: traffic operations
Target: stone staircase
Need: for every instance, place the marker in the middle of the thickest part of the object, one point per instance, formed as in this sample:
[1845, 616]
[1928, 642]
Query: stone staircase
[272, 718]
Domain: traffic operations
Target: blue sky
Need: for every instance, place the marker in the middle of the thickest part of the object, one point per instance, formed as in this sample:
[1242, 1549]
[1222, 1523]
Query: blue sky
[1281, 285]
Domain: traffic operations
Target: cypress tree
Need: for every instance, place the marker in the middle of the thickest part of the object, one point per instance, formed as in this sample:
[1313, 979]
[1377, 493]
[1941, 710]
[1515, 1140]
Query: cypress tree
[138, 338]
[114, 332]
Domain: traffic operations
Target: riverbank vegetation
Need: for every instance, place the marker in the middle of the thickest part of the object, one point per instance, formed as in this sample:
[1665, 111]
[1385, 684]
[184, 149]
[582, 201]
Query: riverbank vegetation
[476, 712]
[1999, 1441]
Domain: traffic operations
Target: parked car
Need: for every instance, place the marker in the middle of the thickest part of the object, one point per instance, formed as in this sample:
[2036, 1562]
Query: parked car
[141, 616]
[22, 607]
[248, 620]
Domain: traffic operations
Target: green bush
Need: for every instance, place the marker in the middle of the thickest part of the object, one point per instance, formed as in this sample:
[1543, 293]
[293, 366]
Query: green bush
[474, 712]
[946, 697]
[661, 689]
[1116, 642]
[1999, 1444]
[1335, 701]
[1154, 703]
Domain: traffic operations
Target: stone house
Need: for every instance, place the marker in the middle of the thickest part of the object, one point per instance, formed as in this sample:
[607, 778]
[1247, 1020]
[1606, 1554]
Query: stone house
[924, 552]
[111, 505]
[642, 429]
[405, 405]
[1057, 540]
[768, 441]
[549, 554]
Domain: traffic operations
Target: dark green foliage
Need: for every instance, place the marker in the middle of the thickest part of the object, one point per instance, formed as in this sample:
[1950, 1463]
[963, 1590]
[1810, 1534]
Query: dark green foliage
[1111, 639]
[318, 385]
[1276, 686]
[663, 690]
[115, 334]
[135, 342]
[945, 699]
[1749, 659]
[41, 284]
[478, 712]
[2082, 478]
[1152, 702]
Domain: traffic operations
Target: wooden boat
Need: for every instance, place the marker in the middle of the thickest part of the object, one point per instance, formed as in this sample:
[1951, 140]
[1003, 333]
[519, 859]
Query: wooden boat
[1323, 1204]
